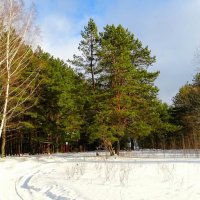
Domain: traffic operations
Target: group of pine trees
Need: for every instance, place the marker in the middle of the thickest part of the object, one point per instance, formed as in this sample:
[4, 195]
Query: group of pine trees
[105, 96]
[186, 112]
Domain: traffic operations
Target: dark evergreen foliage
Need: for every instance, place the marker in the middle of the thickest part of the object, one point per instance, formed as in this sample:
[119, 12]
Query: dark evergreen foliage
[109, 99]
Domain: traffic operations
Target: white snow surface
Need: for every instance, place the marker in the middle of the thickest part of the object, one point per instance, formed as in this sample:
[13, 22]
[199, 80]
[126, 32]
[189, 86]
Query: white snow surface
[76, 176]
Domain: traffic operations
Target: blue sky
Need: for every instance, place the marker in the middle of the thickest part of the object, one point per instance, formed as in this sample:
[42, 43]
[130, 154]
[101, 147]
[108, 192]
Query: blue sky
[169, 27]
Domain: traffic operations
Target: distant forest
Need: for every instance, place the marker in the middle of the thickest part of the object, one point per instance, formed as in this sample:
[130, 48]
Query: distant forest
[104, 98]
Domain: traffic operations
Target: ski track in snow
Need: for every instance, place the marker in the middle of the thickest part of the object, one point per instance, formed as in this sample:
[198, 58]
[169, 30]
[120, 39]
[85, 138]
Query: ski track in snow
[26, 188]
[73, 177]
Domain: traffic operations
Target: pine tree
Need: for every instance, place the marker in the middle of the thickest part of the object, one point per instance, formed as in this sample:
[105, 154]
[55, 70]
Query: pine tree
[59, 105]
[88, 47]
[87, 66]
[127, 89]
[186, 110]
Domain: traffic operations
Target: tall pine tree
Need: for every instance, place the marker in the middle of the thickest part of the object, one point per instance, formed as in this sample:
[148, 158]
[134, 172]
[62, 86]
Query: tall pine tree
[127, 91]
[86, 62]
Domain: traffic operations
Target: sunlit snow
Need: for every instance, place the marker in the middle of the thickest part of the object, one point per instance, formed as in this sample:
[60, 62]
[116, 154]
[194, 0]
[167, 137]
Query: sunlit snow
[84, 176]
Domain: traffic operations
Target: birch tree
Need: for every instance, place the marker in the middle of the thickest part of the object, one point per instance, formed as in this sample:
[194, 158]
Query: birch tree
[16, 35]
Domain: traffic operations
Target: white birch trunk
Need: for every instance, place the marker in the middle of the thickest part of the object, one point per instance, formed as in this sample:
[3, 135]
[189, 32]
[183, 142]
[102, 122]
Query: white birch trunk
[16, 23]
[5, 107]
[3, 121]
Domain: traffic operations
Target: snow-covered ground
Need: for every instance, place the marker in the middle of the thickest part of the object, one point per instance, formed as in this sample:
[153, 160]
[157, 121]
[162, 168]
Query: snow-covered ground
[87, 177]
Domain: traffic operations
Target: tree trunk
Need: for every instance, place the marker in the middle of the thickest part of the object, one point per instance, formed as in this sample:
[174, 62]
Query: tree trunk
[57, 145]
[109, 147]
[91, 66]
[3, 121]
[117, 148]
[3, 144]
[5, 107]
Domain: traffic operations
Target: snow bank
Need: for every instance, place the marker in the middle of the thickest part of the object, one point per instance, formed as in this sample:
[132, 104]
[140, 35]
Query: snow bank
[87, 177]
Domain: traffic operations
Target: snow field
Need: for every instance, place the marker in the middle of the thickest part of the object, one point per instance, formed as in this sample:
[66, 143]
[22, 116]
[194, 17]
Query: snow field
[64, 177]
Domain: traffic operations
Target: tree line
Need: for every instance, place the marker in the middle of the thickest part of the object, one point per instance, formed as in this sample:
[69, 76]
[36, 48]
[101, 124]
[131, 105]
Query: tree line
[103, 97]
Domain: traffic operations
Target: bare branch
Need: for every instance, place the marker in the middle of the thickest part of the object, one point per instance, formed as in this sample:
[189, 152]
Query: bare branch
[16, 31]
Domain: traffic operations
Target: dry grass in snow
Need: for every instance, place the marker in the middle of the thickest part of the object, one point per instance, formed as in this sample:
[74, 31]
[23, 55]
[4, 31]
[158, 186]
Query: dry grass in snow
[81, 177]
